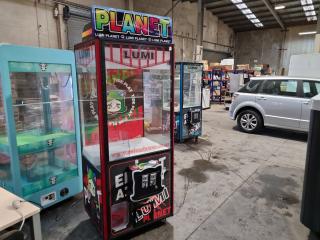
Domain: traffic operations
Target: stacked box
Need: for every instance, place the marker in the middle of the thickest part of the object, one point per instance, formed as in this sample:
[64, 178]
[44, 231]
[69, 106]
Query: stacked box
[243, 67]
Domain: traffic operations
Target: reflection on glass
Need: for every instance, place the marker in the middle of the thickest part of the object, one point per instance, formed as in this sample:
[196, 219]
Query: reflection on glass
[44, 119]
[86, 70]
[5, 175]
[177, 88]
[138, 97]
[192, 77]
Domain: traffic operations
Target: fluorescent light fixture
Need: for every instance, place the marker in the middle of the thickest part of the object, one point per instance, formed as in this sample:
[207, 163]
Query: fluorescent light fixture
[259, 25]
[313, 18]
[246, 11]
[311, 13]
[255, 20]
[250, 16]
[307, 33]
[306, 2]
[308, 8]
[279, 7]
[242, 6]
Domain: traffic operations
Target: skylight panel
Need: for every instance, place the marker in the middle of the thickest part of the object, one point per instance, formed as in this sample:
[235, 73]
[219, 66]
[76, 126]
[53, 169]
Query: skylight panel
[308, 9]
[241, 6]
[248, 12]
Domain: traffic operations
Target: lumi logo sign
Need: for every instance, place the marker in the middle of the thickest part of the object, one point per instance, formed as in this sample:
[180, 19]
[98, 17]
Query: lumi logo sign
[127, 25]
[138, 55]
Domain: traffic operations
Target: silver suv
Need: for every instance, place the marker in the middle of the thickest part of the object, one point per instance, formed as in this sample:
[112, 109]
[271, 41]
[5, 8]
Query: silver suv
[282, 102]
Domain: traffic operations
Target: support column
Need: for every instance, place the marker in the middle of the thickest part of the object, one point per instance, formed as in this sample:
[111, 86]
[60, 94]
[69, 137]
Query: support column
[62, 35]
[280, 69]
[317, 39]
[200, 11]
[199, 38]
[129, 5]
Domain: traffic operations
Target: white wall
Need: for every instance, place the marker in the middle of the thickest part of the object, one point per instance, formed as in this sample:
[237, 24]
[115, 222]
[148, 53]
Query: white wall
[185, 27]
[22, 22]
[215, 31]
[264, 46]
[296, 44]
[36, 25]
[31, 22]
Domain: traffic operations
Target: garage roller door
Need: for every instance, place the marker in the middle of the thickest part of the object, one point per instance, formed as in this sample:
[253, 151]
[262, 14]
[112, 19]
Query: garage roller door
[78, 19]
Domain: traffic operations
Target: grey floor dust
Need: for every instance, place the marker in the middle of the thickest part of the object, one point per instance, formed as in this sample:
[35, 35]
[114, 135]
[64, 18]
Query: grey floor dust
[229, 186]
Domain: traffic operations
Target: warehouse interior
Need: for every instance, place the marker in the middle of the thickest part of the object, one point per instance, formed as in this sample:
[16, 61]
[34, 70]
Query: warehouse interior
[248, 169]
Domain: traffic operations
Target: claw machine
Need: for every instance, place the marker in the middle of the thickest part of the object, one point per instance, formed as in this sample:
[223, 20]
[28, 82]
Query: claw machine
[188, 100]
[39, 124]
[125, 78]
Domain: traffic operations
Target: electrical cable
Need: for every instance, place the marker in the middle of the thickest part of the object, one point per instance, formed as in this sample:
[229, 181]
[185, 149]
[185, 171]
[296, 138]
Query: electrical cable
[16, 205]
[23, 219]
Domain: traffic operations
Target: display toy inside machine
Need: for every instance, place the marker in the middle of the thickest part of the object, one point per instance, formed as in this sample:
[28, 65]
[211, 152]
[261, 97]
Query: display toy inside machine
[126, 106]
[188, 101]
[39, 124]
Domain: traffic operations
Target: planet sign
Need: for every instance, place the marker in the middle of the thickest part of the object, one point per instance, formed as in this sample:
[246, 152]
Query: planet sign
[128, 25]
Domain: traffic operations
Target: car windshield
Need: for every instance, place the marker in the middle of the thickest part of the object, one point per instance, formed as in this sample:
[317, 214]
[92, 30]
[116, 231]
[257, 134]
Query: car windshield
[251, 87]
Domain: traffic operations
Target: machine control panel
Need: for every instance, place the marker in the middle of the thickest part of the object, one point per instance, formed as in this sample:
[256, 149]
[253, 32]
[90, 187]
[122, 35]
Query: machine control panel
[48, 198]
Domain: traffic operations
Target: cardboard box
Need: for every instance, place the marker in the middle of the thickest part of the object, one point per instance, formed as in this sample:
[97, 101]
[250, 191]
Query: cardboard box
[227, 67]
[214, 64]
[216, 93]
[243, 67]
[257, 73]
[205, 65]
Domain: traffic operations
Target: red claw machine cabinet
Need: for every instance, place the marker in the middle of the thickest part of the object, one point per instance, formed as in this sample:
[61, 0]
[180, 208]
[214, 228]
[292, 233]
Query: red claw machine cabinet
[125, 72]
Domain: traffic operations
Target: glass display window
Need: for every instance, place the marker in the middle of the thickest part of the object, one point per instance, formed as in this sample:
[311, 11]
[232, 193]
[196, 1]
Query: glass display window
[138, 96]
[42, 103]
[88, 101]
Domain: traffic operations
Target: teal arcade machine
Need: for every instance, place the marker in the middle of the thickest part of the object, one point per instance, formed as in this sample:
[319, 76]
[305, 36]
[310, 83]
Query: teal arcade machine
[39, 124]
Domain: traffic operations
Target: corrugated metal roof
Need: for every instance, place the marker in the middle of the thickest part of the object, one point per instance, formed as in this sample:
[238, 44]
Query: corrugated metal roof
[292, 15]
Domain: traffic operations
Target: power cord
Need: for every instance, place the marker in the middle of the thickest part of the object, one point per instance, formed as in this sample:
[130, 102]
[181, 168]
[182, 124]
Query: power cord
[16, 204]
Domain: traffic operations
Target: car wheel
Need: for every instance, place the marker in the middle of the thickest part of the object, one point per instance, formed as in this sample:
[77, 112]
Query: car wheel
[249, 121]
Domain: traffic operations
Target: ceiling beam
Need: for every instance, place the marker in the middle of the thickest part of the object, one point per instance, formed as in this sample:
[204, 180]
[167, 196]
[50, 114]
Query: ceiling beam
[269, 21]
[233, 6]
[215, 5]
[245, 20]
[237, 13]
[265, 18]
[291, 22]
[250, 28]
[261, 12]
[274, 13]
[235, 25]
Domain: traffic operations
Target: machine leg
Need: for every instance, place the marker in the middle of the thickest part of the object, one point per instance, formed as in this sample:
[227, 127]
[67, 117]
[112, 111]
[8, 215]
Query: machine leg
[36, 225]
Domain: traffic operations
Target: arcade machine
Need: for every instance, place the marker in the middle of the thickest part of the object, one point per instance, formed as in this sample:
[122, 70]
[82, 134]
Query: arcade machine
[125, 77]
[188, 103]
[39, 124]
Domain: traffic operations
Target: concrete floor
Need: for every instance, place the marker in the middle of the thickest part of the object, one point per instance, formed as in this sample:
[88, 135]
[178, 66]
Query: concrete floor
[229, 186]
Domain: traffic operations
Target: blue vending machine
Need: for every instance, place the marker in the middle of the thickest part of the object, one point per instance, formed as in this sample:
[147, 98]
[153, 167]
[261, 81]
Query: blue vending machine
[188, 100]
[39, 124]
